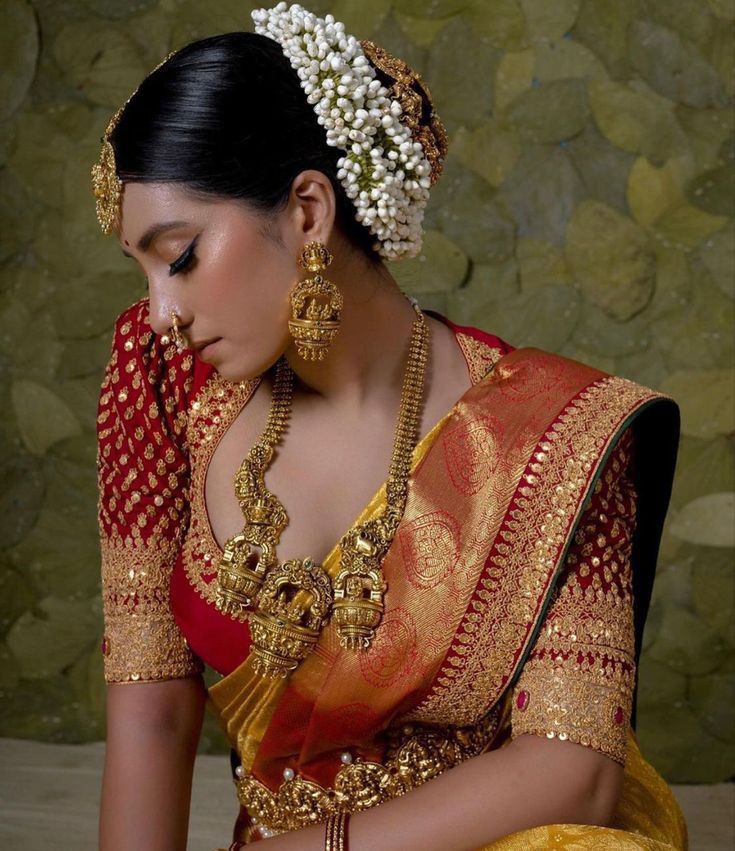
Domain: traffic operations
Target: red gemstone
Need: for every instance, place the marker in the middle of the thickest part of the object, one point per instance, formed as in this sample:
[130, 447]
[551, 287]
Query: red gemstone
[522, 700]
[618, 715]
[105, 646]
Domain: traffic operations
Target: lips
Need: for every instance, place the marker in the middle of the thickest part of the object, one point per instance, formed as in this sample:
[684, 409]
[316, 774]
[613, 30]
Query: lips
[206, 346]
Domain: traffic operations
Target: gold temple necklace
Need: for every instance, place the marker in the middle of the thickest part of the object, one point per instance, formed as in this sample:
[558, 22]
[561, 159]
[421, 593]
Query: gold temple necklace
[293, 599]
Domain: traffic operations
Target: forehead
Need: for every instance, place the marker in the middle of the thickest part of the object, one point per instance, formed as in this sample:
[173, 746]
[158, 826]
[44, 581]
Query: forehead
[144, 204]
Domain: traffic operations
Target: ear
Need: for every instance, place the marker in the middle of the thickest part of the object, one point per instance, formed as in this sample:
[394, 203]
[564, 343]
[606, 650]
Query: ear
[312, 205]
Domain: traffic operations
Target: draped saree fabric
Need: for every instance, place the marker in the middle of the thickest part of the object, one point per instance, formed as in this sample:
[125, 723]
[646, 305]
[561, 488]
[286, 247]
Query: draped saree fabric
[518, 586]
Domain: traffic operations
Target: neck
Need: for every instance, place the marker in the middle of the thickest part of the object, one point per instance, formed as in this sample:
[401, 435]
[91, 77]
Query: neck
[367, 358]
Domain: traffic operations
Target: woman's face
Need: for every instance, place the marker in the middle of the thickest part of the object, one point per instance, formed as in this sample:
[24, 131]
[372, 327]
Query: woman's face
[213, 265]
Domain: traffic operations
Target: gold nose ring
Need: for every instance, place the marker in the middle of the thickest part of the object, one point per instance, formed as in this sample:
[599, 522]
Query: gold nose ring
[178, 337]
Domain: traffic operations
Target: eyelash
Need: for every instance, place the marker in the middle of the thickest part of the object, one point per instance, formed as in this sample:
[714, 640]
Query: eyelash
[183, 263]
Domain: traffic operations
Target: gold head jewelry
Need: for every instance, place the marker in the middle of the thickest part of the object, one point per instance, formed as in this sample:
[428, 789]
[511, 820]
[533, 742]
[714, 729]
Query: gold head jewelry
[107, 187]
[316, 305]
[414, 96]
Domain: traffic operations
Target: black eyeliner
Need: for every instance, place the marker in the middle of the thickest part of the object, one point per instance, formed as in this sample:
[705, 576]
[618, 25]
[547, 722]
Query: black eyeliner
[183, 260]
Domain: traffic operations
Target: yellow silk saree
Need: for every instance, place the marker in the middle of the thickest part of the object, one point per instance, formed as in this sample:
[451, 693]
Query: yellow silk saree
[518, 589]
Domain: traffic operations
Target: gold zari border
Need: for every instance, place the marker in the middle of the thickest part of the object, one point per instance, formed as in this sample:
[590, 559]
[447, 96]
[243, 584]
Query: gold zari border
[585, 702]
[142, 642]
[493, 638]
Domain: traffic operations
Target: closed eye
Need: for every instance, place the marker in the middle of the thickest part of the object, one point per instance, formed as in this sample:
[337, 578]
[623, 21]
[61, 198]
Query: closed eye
[183, 264]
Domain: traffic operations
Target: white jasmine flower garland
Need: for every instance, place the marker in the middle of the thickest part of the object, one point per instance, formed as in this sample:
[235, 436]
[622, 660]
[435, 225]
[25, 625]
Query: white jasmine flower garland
[384, 171]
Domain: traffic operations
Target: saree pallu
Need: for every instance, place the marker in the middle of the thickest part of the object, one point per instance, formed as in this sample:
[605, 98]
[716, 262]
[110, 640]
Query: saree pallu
[518, 590]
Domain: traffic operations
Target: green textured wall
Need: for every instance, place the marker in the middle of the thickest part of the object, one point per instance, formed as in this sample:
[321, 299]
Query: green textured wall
[586, 207]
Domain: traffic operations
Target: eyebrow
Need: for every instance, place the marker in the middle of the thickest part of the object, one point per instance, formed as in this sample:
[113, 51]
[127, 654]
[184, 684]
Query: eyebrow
[154, 231]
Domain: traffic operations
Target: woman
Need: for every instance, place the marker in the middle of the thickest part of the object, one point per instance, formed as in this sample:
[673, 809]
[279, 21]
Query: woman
[438, 556]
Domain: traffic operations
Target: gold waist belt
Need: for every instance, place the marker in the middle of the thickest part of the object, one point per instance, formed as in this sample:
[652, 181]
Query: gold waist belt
[415, 755]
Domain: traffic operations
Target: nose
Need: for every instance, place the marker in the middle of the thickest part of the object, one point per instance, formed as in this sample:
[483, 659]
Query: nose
[160, 307]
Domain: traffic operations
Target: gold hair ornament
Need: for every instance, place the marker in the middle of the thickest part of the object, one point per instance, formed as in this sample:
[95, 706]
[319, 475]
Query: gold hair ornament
[414, 96]
[106, 185]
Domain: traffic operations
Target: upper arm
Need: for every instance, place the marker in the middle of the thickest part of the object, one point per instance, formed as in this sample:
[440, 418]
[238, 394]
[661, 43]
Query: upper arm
[576, 687]
[143, 477]
[154, 710]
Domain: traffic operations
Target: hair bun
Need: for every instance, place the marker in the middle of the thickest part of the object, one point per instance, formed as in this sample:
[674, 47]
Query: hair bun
[407, 87]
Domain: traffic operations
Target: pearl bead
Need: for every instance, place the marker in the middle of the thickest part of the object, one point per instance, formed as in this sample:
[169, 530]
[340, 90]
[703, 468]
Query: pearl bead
[239, 772]
[288, 774]
[346, 758]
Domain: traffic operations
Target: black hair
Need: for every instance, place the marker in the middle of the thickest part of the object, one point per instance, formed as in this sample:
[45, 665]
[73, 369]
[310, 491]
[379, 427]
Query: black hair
[226, 117]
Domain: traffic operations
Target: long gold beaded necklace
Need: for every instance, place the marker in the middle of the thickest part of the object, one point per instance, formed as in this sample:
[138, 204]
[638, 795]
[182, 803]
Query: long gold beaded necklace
[293, 599]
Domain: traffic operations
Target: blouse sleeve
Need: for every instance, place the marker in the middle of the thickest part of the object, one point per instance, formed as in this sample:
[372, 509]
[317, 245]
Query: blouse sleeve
[143, 506]
[577, 683]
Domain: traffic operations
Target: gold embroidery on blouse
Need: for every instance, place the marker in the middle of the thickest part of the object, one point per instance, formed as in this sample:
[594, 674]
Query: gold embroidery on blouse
[211, 413]
[578, 682]
[586, 702]
[414, 755]
[480, 356]
[483, 656]
[142, 640]
[141, 520]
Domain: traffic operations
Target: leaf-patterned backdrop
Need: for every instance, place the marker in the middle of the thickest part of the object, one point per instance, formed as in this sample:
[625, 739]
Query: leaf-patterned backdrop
[586, 207]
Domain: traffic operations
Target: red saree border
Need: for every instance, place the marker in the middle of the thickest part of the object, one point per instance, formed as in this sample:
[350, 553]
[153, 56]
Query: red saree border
[514, 587]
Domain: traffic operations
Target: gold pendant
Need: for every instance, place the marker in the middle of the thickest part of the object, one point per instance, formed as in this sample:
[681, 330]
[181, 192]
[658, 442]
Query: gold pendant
[240, 575]
[242, 569]
[359, 586]
[292, 607]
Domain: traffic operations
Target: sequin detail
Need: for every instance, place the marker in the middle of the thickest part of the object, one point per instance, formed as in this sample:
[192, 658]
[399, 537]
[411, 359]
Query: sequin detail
[142, 475]
[580, 674]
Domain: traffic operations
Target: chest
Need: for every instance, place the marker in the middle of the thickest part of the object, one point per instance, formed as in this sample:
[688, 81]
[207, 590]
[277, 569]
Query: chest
[325, 470]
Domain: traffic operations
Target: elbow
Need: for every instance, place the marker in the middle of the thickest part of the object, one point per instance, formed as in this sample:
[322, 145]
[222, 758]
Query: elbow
[576, 784]
[602, 793]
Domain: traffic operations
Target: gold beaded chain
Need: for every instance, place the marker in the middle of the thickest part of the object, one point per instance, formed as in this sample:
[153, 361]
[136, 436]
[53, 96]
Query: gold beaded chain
[294, 599]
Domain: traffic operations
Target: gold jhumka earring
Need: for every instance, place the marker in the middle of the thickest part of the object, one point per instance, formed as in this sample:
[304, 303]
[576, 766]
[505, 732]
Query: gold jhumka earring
[316, 305]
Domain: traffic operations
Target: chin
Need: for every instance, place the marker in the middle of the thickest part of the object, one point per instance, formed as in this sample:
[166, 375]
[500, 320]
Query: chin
[235, 372]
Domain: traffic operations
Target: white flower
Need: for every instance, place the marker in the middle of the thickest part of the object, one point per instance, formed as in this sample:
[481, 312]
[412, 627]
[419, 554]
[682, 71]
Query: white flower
[384, 171]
